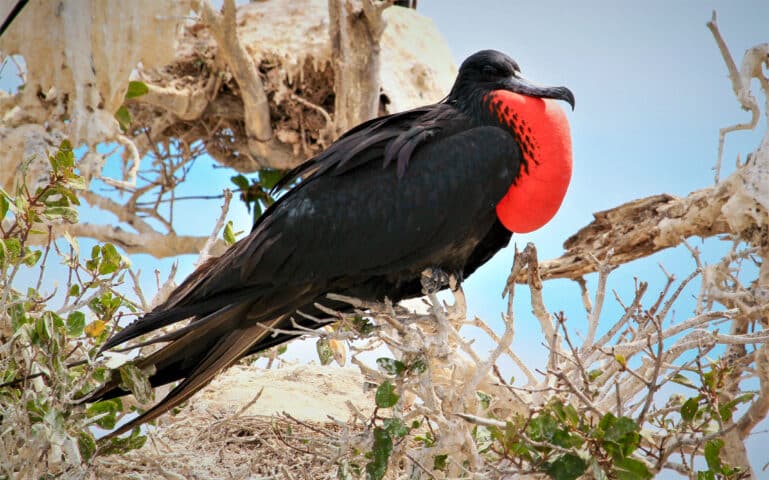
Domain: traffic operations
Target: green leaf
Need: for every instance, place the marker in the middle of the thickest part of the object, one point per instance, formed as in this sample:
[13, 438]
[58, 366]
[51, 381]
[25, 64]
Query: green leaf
[618, 428]
[593, 374]
[229, 234]
[622, 361]
[74, 290]
[542, 428]
[681, 379]
[689, 409]
[110, 259]
[3, 206]
[566, 467]
[565, 413]
[440, 462]
[86, 444]
[727, 409]
[64, 156]
[43, 326]
[630, 469]
[68, 214]
[10, 250]
[269, 178]
[109, 410]
[75, 182]
[325, 353]
[31, 257]
[75, 324]
[564, 439]
[395, 427]
[123, 118]
[123, 445]
[241, 182]
[484, 398]
[418, 366]
[391, 366]
[710, 379]
[712, 452]
[380, 454]
[257, 210]
[136, 89]
[137, 382]
[362, 325]
[385, 395]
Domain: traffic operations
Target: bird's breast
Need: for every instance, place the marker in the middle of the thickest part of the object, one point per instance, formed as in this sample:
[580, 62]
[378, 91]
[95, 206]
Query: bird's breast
[542, 131]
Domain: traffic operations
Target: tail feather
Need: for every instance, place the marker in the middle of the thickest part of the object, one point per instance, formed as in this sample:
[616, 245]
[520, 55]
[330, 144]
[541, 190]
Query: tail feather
[165, 314]
[176, 359]
[227, 350]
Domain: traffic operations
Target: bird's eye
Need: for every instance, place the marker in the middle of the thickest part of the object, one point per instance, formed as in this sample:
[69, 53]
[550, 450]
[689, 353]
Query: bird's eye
[491, 71]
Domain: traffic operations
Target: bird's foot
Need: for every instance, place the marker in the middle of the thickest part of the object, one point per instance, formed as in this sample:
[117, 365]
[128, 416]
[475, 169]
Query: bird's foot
[434, 279]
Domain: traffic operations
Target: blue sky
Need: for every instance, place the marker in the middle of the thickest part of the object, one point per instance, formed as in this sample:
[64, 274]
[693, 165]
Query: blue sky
[651, 93]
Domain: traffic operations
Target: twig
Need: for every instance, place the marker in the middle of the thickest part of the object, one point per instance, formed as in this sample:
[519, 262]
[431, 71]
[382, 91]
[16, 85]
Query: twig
[205, 252]
[741, 91]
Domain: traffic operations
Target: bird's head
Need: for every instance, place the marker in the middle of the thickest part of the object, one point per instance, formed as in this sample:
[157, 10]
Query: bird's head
[490, 70]
[490, 89]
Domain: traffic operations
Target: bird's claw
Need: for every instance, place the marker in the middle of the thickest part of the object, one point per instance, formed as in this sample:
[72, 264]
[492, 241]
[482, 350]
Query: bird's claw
[434, 279]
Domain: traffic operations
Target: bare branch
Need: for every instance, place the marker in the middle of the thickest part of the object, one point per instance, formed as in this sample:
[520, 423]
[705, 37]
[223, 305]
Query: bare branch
[741, 91]
[355, 37]
[211, 243]
[640, 228]
[262, 145]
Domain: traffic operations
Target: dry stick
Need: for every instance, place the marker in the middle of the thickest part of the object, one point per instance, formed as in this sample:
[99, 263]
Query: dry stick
[535, 289]
[760, 406]
[670, 278]
[135, 274]
[653, 386]
[585, 295]
[575, 358]
[224, 28]
[205, 252]
[741, 91]
[256, 109]
[631, 348]
[640, 291]
[355, 50]
[507, 336]
[604, 268]
[421, 467]
[530, 378]
[315, 107]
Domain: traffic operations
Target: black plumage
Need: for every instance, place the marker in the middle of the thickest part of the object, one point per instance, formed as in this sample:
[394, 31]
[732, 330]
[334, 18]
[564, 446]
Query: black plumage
[390, 198]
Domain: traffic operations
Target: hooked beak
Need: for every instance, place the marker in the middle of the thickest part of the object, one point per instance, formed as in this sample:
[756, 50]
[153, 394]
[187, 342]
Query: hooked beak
[524, 87]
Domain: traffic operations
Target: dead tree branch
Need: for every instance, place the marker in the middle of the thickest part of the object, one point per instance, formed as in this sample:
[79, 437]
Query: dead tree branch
[355, 35]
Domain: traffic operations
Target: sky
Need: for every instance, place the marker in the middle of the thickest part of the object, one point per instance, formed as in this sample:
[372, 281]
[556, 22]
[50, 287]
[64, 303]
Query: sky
[651, 94]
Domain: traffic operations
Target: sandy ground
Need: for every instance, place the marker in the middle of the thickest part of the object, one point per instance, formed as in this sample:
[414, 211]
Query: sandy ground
[306, 392]
[216, 437]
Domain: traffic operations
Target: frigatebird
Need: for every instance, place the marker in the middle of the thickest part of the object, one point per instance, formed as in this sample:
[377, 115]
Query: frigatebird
[438, 187]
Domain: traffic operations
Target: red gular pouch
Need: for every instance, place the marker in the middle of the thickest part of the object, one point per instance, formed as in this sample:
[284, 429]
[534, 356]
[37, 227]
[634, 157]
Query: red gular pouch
[542, 131]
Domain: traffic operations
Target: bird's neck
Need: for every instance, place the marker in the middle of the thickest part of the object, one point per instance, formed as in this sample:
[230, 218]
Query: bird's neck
[541, 129]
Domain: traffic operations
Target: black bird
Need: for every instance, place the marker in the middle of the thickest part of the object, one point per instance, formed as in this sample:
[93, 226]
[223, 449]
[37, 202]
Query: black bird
[440, 186]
